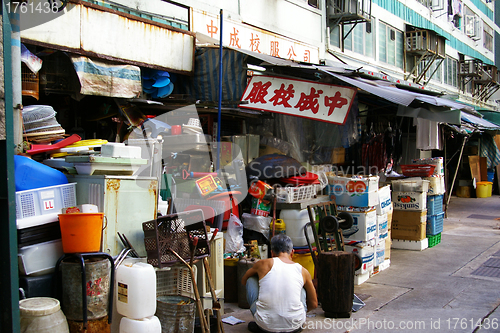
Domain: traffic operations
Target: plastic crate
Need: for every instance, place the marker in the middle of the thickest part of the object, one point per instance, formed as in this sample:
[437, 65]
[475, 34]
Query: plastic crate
[434, 224]
[175, 280]
[45, 200]
[434, 240]
[175, 232]
[417, 170]
[434, 204]
[295, 194]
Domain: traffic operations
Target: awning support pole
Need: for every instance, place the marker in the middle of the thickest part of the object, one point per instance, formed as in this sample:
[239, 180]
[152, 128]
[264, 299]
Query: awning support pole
[219, 114]
[454, 177]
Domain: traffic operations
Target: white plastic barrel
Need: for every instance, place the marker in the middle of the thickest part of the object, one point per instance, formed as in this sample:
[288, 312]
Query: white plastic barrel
[42, 315]
[144, 325]
[295, 221]
[135, 289]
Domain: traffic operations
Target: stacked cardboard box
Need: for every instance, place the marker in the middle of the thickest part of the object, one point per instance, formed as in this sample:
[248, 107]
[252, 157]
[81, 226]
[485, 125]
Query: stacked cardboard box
[410, 213]
[384, 221]
[359, 195]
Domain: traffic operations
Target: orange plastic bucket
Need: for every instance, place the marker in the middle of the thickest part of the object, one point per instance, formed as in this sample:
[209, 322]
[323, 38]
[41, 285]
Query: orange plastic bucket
[81, 232]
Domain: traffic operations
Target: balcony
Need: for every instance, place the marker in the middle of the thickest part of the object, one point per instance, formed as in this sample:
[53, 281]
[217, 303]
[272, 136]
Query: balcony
[421, 42]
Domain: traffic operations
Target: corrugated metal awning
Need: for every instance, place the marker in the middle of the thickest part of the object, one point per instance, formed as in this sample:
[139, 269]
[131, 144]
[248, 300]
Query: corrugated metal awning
[399, 97]
[479, 122]
[393, 94]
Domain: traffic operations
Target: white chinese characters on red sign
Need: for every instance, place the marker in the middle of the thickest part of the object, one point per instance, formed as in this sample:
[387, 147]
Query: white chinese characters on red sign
[319, 101]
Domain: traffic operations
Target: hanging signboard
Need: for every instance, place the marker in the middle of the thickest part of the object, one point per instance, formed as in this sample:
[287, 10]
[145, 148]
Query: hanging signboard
[307, 99]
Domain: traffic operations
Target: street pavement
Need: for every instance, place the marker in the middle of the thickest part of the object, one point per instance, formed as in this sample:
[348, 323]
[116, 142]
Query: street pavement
[435, 290]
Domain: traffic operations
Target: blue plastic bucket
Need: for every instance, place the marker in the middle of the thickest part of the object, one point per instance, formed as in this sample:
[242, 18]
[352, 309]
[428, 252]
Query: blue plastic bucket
[491, 176]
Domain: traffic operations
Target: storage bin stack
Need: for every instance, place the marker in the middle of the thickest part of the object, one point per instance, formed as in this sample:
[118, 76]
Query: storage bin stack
[41, 192]
[435, 213]
[359, 196]
[409, 197]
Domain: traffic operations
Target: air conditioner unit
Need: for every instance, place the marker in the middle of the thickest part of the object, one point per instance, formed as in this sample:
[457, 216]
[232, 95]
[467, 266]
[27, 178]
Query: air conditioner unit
[473, 27]
[352, 7]
[470, 25]
[467, 67]
[478, 29]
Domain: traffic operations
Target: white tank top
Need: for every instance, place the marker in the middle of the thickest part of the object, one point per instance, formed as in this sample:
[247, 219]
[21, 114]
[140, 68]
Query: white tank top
[279, 307]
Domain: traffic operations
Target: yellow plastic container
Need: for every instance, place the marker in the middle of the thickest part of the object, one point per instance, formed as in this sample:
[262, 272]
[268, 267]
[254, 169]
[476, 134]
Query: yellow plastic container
[279, 227]
[306, 261]
[483, 189]
[81, 232]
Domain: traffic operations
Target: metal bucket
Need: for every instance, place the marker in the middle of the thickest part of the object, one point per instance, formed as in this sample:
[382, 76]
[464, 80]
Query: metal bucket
[176, 314]
[97, 284]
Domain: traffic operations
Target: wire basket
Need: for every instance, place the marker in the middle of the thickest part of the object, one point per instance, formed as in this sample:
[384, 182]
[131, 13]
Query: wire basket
[175, 232]
[418, 170]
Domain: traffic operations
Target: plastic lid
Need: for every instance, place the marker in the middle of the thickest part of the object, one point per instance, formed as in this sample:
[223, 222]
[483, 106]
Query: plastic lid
[39, 306]
[484, 183]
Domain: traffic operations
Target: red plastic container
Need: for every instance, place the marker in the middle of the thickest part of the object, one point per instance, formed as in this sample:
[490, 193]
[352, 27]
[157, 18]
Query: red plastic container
[418, 170]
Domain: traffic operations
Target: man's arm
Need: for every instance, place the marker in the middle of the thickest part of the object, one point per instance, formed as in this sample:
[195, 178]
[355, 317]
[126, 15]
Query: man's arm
[311, 298]
[250, 272]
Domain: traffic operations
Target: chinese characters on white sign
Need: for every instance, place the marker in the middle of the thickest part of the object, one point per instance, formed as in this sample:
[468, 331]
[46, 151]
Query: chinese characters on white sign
[319, 101]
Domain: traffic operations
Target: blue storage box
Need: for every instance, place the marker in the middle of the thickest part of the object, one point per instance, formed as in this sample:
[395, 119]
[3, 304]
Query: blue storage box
[434, 224]
[434, 204]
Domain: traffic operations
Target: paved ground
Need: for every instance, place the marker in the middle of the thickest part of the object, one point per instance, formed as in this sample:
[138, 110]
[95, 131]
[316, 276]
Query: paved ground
[431, 290]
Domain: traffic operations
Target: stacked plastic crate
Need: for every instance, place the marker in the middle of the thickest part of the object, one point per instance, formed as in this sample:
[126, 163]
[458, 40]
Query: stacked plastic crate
[359, 196]
[41, 192]
[435, 213]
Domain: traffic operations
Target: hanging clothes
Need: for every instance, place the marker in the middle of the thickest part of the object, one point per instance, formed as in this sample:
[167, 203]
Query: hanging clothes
[490, 150]
[428, 134]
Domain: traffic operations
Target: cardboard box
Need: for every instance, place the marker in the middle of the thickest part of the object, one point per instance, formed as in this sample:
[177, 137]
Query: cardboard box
[357, 191]
[379, 253]
[364, 227]
[436, 185]
[389, 221]
[415, 201]
[388, 243]
[338, 156]
[382, 226]
[408, 225]
[384, 200]
[367, 254]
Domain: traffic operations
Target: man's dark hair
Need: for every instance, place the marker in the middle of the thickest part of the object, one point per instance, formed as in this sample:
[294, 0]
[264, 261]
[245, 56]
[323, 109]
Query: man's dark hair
[281, 243]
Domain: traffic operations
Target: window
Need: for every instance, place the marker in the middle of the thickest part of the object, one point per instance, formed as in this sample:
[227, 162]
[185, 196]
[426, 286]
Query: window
[360, 40]
[437, 74]
[450, 76]
[390, 45]
[455, 12]
[488, 38]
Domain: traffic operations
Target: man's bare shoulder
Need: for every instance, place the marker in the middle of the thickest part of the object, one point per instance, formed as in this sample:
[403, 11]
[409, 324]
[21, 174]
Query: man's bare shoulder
[264, 265]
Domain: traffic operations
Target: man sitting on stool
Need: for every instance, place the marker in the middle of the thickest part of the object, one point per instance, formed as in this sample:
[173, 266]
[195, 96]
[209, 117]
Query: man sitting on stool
[282, 293]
